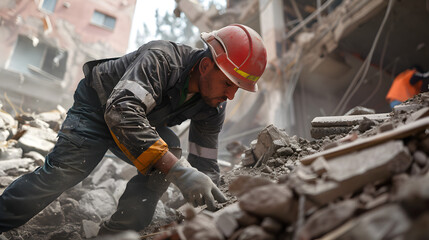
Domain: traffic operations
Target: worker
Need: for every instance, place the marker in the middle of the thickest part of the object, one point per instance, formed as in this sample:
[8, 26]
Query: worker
[405, 86]
[127, 105]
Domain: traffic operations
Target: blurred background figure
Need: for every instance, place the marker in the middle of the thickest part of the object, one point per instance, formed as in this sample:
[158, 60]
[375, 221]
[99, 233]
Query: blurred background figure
[407, 84]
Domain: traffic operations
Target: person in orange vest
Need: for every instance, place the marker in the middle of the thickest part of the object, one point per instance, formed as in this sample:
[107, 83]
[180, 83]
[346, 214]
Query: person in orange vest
[407, 84]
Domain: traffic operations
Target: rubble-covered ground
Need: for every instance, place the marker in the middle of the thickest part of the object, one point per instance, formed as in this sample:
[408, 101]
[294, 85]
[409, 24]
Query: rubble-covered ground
[360, 179]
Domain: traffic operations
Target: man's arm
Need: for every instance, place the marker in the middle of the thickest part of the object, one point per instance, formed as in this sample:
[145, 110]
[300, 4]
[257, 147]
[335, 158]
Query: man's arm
[132, 98]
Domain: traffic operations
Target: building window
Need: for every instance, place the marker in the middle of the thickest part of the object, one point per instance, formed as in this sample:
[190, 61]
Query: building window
[49, 5]
[38, 59]
[103, 20]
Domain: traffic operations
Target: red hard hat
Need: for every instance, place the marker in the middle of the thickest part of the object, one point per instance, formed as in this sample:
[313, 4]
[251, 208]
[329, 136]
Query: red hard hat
[240, 54]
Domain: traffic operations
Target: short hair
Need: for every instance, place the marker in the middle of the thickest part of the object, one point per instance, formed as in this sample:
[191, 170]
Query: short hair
[208, 53]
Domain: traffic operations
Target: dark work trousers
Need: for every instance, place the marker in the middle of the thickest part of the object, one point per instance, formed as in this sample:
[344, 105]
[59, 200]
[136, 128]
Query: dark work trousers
[82, 142]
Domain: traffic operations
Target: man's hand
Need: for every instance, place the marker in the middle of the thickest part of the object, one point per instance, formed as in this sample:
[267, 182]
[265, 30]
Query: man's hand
[196, 187]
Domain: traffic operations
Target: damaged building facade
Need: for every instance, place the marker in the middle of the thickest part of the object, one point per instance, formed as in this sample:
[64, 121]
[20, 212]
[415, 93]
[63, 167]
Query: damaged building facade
[46, 42]
[324, 57]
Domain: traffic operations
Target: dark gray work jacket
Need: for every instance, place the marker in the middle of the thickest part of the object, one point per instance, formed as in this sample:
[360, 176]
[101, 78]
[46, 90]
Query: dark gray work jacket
[142, 90]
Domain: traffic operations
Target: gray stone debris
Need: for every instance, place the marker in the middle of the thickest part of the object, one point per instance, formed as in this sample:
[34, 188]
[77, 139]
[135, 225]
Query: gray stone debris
[376, 192]
[79, 211]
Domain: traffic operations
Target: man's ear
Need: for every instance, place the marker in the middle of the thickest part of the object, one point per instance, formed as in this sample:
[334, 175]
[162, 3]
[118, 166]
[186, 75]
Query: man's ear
[205, 65]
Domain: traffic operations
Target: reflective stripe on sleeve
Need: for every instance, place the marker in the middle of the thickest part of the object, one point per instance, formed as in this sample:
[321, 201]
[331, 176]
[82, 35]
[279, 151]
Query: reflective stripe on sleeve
[202, 151]
[148, 158]
[145, 97]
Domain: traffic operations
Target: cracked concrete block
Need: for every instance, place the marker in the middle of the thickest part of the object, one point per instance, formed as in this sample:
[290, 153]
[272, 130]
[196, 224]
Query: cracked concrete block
[269, 140]
[327, 219]
[386, 222]
[246, 183]
[30, 143]
[348, 173]
[262, 202]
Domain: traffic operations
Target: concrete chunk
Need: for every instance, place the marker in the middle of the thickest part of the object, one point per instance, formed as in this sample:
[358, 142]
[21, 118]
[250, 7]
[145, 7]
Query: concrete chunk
[348, 173]
[269, 140]
[30, 143]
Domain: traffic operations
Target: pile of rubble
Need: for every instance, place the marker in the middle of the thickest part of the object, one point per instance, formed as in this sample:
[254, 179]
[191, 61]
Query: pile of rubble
[77, 213]
[362, 177]
[369, 182]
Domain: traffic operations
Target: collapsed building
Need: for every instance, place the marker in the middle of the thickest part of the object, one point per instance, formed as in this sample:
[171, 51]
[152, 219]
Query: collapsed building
[324, 57]
[46, 42]
[363, 175]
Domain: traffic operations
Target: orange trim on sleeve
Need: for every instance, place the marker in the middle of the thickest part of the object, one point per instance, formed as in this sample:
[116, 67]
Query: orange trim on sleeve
[148, 158]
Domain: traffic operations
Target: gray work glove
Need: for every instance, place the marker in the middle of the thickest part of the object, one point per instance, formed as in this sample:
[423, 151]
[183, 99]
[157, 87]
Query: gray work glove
[196, 187]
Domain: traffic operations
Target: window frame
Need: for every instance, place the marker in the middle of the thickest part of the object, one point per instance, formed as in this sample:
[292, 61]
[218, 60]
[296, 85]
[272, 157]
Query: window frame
[105, 18]
[41, 4]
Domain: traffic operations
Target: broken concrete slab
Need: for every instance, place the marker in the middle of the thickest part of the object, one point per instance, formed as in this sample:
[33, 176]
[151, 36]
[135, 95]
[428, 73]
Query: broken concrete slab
[348, 173]
[398, 133]
[333, 121]
[320, 132]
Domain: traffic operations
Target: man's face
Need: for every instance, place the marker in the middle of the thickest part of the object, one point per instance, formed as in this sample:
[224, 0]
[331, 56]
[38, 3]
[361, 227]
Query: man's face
[215, 87]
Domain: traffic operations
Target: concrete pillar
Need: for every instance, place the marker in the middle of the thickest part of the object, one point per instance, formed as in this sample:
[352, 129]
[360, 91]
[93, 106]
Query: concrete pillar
[272, 27]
